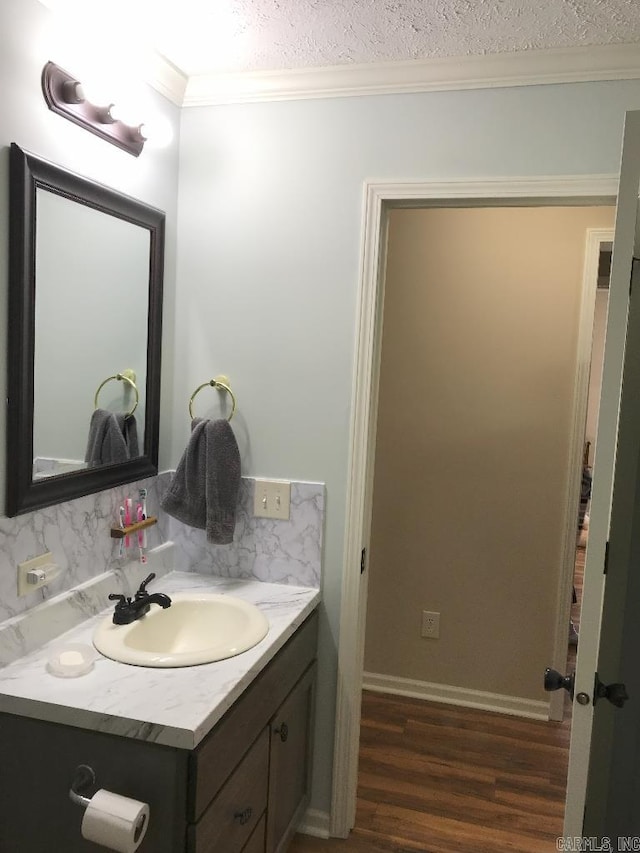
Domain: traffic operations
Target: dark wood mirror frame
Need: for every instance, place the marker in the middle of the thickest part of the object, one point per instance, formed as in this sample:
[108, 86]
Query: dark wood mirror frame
[27, 174]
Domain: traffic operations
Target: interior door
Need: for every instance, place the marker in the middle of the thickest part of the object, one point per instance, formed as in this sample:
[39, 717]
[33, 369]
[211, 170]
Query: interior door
[604, 774]
[613, 789]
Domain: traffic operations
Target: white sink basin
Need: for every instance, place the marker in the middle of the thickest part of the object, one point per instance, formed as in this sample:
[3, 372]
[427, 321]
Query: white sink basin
[197, 628]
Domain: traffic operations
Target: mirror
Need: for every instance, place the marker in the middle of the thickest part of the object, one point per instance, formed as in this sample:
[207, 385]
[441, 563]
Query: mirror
[84, 342]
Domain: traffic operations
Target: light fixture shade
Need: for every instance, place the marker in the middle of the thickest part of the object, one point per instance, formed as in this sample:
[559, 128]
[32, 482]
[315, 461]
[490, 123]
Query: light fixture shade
[63, 94]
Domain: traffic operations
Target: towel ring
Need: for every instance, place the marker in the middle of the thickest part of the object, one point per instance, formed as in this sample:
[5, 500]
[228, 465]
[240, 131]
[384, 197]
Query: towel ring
[214, 383]
[125, 376]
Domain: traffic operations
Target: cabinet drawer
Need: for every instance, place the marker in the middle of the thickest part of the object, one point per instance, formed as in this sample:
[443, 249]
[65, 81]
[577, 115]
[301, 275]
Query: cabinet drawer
[219, 753]
[229, 821]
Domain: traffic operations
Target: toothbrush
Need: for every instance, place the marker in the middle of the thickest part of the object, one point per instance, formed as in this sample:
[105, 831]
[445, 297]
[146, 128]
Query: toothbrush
[142, 544]
[121, 542]
[128, 508]
[143, 498]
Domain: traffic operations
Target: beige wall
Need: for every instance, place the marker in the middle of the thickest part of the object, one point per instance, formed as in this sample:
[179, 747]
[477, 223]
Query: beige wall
[478, 359]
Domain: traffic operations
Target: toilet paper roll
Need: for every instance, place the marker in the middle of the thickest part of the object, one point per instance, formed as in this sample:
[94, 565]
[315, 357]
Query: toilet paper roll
[118, 823]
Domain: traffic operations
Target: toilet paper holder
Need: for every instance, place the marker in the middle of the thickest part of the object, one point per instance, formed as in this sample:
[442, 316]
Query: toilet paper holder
[111, 820]
[84, 779]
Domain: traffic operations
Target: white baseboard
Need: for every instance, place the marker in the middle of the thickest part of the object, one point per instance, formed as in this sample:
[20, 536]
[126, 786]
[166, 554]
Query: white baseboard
[450, 695]
[315, 822]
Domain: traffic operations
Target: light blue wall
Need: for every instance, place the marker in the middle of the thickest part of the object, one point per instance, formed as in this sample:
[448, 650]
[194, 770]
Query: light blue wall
[269, 234]
[269, 229]
[28, 38]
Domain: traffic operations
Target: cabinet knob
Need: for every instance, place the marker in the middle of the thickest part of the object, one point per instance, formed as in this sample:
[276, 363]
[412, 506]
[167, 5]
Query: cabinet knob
[244, 816]
[283, 731]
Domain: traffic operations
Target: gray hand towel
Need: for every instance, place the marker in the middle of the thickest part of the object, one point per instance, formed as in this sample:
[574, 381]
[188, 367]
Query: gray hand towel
[204, 490]
[106, 444]
[129, 428]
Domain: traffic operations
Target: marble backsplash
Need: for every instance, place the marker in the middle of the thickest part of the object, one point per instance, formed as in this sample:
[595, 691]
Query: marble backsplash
[29, 630]
[77, 534]
[263, 549]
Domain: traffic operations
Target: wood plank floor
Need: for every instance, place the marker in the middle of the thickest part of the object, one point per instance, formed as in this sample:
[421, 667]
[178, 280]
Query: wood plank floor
[437, 778]
[441, 779]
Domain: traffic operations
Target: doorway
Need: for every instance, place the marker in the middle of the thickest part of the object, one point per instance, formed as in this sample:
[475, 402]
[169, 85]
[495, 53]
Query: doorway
[369, 354]
[597, 263]
[472, 455]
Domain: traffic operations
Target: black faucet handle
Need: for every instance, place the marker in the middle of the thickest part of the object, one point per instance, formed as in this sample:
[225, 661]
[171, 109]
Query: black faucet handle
[121, 599]
[142, 589]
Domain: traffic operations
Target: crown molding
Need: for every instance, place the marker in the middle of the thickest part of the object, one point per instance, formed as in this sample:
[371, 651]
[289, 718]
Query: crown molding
[520, 68]
[166, 79]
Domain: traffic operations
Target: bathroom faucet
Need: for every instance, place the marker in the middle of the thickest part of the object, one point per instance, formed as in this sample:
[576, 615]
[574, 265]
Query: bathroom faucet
[128, 610]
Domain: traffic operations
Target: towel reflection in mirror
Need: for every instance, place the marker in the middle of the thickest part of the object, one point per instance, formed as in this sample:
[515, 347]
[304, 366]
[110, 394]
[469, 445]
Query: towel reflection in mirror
[113, 438]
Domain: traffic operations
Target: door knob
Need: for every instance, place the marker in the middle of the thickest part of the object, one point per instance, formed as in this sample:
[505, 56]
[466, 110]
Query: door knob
[554, 681]
[615, 693]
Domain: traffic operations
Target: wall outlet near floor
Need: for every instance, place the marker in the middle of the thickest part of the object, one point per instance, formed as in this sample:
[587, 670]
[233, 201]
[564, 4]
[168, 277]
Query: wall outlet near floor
[430, 624]
[272, 499]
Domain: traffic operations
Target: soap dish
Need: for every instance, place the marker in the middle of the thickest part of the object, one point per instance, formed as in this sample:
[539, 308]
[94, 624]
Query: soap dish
[71, 660]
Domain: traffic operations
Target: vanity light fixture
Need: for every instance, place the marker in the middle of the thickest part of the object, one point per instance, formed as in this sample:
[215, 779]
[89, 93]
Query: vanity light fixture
[65, 96]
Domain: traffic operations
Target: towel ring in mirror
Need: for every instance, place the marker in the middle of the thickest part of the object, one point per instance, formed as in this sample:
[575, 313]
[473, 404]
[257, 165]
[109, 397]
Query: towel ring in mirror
[220, 382]
[125, 376]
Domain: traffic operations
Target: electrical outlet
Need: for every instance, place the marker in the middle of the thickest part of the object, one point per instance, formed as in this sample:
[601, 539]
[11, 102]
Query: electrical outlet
[430, 624]
[32, 574]
[272, 499]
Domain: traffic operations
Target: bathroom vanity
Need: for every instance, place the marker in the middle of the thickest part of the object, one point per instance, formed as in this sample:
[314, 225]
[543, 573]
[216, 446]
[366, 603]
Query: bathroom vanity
[220, 776]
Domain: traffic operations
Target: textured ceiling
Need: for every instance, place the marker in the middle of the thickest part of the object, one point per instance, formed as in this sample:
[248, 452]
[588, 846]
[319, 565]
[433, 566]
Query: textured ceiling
[261, 35]
[209, 36]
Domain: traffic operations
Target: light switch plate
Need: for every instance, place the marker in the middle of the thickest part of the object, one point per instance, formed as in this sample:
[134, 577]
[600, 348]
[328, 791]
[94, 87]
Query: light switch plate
[272, 499]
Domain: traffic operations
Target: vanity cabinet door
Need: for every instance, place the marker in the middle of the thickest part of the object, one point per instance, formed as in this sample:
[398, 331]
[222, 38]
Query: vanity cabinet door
[291, 732]
[256, 843]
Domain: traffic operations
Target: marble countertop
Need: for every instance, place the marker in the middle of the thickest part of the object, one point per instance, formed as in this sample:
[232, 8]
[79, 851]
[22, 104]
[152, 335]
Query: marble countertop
[176, 707]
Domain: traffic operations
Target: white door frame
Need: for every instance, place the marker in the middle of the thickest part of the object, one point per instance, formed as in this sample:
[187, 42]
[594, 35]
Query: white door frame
[595, 236]
[378, 198]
